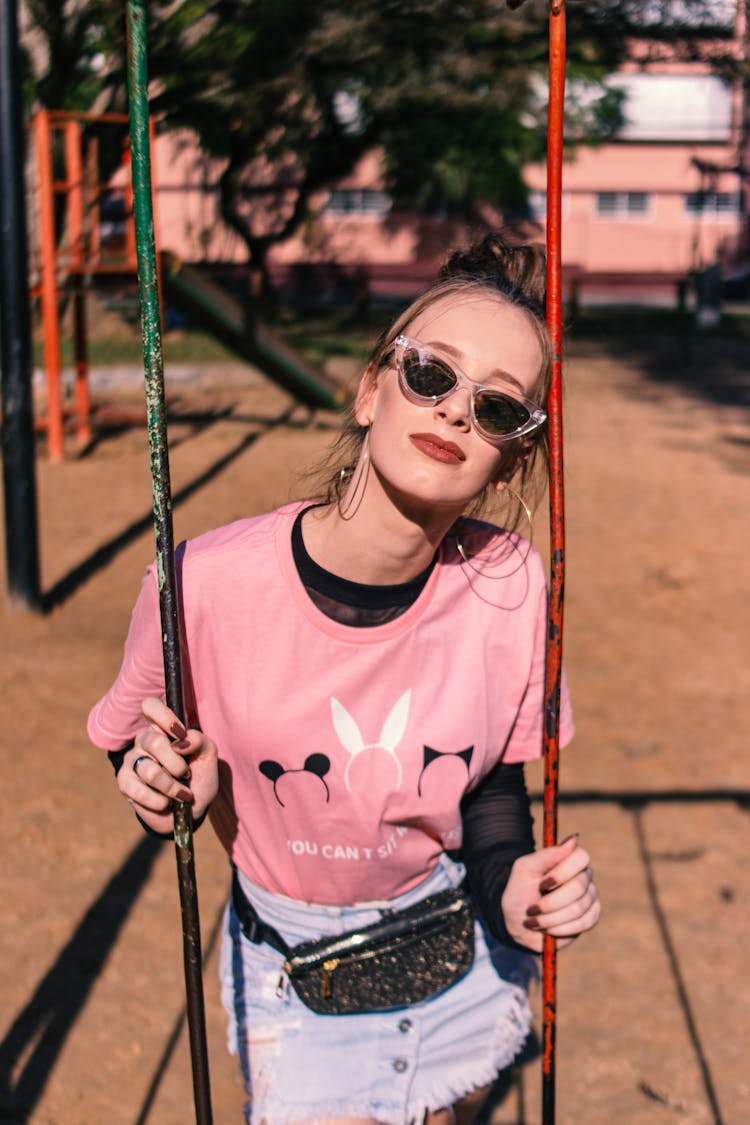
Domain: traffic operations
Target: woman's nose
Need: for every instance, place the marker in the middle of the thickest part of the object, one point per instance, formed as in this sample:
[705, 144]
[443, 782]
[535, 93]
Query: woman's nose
[456, 408]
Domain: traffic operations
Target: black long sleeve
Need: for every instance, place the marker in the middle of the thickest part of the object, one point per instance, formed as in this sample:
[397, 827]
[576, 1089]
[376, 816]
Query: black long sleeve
[498, 828]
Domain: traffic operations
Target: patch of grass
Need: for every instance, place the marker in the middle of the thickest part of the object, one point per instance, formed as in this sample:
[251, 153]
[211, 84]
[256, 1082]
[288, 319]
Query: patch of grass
[608, 321]
[327, 335]
[113, 351]
[335, 333]
[318, 338]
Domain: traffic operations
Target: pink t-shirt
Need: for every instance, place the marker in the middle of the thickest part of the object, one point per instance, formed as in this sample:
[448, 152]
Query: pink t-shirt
[345, 752]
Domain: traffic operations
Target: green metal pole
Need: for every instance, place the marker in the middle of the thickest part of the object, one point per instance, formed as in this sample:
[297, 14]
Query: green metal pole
[148, 288]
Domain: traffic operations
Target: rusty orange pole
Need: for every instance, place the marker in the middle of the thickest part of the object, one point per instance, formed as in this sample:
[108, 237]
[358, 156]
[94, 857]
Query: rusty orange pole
[75, 209]
[50, 317]
[131, 254]
[82, 395]
[93, 201]
[557, 524]
[74, 192]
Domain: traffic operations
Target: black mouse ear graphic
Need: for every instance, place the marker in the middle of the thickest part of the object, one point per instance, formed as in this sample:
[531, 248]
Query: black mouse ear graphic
[318, 764]
[272, 770]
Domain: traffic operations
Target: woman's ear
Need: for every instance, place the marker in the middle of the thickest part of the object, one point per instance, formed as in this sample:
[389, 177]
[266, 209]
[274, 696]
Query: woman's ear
[364, 401]
[510, 463]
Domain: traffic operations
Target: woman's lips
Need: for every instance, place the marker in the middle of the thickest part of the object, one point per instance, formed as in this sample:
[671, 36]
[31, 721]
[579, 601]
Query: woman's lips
[434, 446]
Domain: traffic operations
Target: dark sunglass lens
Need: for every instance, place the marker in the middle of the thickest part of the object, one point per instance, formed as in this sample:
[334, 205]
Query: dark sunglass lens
[427, 378]
[499, 414]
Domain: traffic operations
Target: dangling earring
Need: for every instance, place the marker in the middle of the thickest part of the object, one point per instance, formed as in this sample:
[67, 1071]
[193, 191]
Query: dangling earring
[358, 483]
[510, 542]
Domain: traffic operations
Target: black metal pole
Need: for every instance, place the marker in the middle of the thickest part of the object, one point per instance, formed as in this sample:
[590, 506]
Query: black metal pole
[148, 288]
[19, 471]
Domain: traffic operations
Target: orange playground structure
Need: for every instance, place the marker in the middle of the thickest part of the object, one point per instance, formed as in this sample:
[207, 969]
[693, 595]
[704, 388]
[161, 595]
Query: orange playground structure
[72, 243]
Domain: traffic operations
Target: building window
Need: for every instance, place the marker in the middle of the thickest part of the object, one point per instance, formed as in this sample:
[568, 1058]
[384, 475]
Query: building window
[538, 205]
[357, 201]
[675, 107]
[621, 204]
[718, 15]
[713, 203]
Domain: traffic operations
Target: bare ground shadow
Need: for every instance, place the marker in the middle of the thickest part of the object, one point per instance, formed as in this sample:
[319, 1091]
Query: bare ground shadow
[635, 802]
[109, 550]
[75, 578]
[104, 554]
[39, 1031]
[678, 977]
[670, 351]
[177, 1028]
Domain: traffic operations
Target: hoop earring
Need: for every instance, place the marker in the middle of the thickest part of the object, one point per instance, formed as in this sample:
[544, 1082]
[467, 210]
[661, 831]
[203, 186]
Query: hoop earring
[360, 473]
[511, 542]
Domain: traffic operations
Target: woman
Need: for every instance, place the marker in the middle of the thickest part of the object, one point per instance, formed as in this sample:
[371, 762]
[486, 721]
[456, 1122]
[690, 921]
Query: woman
[368, 670]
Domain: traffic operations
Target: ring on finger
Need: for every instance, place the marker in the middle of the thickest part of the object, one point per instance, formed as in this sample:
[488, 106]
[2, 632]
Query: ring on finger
[142, 758]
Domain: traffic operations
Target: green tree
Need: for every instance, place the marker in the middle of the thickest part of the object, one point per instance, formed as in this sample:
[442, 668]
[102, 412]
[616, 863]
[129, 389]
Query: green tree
[289, 94]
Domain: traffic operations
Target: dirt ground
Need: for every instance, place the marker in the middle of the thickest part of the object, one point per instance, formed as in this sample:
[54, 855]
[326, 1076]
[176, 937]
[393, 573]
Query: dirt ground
[653, 1005]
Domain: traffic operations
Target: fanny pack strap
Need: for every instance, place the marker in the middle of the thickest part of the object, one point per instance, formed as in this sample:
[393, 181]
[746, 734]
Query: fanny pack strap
[253, 927]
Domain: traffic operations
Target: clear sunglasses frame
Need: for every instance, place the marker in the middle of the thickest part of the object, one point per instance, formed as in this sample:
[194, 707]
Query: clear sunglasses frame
[537, 416]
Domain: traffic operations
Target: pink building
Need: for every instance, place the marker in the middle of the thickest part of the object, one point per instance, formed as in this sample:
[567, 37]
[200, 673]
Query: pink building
[665, 198]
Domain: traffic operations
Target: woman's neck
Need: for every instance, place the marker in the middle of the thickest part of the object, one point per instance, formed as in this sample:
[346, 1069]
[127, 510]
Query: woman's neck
[378, 545]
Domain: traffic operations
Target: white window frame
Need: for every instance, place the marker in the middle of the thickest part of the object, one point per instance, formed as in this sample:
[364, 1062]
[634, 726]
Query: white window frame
[538, 204]
[710, 209]
[622, 206]
[361, 202]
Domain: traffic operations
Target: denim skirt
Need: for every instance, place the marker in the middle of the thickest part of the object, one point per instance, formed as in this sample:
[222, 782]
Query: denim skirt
[299, 1066]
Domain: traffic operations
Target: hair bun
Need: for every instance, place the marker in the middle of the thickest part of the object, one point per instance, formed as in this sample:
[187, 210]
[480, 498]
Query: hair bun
[516, 270]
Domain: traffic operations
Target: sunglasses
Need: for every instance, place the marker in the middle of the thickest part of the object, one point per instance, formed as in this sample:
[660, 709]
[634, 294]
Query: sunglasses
[498, 415]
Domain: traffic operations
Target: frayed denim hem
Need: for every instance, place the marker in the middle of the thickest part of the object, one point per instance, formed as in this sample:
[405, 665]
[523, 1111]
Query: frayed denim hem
[509, 1039]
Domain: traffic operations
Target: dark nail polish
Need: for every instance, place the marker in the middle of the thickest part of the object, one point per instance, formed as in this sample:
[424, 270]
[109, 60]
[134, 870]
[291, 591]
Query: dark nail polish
[187, 775]
[185, 796]
[533, 911]
[531, 924]
[547, 885]
[178, 730]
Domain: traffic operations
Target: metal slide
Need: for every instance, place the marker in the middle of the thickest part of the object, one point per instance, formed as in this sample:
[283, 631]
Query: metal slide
[223, 316]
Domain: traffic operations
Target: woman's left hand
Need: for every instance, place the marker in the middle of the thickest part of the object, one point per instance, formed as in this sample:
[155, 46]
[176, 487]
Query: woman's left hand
[551, 891]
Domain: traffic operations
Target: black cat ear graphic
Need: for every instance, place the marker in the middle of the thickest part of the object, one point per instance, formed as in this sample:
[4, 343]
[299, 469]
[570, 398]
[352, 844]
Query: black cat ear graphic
[429, 756]
[272, 770]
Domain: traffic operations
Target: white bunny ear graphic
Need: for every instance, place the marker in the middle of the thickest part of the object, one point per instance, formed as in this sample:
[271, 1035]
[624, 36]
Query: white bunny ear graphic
[395, 724]
[346, 728]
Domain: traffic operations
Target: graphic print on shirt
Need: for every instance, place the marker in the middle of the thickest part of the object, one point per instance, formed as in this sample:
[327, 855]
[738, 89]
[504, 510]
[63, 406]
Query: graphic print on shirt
[316, 764]
[429, 756]
[391, 733]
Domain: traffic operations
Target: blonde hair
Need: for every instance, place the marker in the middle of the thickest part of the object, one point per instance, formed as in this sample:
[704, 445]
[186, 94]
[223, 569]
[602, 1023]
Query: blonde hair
[515, 274]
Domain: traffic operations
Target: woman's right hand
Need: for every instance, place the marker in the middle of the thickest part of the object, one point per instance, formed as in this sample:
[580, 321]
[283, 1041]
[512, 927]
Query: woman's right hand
[168, 763]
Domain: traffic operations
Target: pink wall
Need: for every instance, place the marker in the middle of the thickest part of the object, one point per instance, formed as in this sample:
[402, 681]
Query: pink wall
[666, 238]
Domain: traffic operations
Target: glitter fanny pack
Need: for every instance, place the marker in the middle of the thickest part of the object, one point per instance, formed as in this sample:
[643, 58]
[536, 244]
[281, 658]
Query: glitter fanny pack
[406, 956]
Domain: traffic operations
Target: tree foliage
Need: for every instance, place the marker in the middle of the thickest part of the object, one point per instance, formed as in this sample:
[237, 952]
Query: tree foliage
[289, 94]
